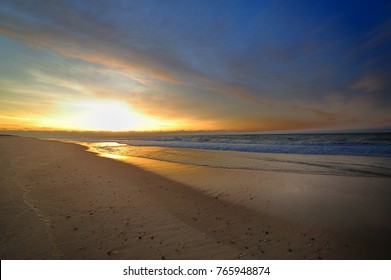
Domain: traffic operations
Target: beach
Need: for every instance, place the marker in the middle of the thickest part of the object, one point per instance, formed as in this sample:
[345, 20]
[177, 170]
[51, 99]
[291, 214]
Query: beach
[60, 201]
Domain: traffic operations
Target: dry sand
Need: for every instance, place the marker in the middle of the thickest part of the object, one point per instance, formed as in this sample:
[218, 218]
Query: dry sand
[60, 202]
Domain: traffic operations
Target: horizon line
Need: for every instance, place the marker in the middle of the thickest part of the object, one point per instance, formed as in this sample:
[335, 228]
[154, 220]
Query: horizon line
[154, 132]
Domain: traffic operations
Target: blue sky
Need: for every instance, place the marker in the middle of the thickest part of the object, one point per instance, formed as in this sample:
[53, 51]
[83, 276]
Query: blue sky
[195, 65]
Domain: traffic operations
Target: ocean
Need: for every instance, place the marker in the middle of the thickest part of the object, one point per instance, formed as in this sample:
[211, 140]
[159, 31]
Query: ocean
[357, 144]
[361, 154]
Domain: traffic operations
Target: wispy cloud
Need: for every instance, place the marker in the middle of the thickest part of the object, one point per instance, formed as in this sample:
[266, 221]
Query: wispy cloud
[368, 84]
[233, 66]
[63, 28]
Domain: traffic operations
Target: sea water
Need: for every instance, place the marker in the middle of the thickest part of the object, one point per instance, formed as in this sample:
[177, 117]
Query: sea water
[362, 154]
[358, 144]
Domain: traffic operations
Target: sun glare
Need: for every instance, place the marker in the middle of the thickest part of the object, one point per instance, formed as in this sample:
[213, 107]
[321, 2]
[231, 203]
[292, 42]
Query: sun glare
[116, 116]
[104, 115]
[112, 115]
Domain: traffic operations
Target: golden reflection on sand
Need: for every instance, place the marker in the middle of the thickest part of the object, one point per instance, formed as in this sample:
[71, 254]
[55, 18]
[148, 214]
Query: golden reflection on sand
[157, 166]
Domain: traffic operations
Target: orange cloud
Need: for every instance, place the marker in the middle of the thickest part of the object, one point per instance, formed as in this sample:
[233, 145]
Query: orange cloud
[245, 95]
[241, 93]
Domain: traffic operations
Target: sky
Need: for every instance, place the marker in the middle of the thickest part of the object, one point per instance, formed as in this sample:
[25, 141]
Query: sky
[195, 65]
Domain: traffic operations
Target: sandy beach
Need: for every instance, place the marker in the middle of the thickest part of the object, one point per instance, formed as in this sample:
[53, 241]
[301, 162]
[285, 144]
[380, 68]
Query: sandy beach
[60, 201]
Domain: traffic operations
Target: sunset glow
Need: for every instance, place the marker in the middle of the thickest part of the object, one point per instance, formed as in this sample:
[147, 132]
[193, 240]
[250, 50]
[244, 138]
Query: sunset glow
[204, 65]
[109, 115]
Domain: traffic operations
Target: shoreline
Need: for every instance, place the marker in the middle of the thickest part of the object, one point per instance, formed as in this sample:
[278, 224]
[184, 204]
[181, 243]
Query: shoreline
[344, 165]
[65, 203]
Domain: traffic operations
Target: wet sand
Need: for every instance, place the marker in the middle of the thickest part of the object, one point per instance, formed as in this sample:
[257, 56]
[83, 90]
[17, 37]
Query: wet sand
[60, 202]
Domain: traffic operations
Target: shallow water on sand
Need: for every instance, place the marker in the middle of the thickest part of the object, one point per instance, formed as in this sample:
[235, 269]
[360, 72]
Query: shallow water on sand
[294, 163]
[344, 193]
